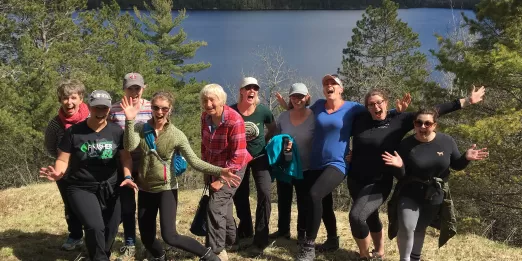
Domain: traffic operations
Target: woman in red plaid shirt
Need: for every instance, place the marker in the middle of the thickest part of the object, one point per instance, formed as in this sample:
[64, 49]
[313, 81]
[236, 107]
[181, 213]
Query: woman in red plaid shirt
[223, 144]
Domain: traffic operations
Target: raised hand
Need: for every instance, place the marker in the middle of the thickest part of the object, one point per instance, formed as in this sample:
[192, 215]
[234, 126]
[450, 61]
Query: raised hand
[392, 160]
[130, 184]
[50, 173]
[348, 157]
[230, 178]
[474, 154]
[130, 110]
[477, 95]
[281, 101]
[402, 105]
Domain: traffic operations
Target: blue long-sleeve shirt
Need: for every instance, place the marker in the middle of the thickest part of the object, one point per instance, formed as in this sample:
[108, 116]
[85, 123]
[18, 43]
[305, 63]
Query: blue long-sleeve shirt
[332, 134]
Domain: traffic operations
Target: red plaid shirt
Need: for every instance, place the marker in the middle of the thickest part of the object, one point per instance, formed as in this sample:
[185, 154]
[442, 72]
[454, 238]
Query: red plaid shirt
[225, 146]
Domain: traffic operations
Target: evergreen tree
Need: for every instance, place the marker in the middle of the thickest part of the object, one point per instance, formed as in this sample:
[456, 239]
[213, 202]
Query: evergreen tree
[43, 42]
[492, 193]
[383, 53]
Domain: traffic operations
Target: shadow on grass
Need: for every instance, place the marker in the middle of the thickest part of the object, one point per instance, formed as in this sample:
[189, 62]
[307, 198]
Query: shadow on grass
[286, 249]
[35, 246]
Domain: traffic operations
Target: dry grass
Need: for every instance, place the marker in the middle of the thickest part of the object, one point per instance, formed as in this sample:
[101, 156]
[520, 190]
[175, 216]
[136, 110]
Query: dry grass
[32, 227]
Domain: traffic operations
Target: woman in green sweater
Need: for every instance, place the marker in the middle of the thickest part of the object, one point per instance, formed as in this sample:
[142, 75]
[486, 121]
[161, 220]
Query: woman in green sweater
[158, 187]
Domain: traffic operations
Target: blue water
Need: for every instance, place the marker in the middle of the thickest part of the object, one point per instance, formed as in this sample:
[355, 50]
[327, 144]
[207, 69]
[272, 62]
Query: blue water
[311, 41]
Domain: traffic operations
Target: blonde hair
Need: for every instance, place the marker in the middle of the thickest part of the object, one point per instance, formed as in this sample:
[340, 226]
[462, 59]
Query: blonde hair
[212, 89]
[70, 87]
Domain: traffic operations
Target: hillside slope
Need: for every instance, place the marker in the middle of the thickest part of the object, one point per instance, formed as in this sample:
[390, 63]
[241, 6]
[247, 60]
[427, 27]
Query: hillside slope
[32, 227]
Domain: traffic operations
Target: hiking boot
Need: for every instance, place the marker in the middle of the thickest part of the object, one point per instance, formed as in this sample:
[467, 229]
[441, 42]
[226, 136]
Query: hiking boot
[71, 244]
[127, 252]
[243, 243]
[232, 248]
[306, 252]
[279, 234]
[223, 255]
[210, 256]
[255, 250]
[331, 244]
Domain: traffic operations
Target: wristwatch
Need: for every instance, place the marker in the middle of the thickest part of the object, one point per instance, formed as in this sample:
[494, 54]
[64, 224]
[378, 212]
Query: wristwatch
[467, 101]
[129, 177]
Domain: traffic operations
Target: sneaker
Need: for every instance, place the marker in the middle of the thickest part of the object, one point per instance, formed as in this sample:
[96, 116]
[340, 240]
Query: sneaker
[80, 258]
[71, 244]
[331, 244]
[223, 255]
[306, 252]
[210, 256]
[279, 234]
[376, 256]
[127, 253]
[161, 258]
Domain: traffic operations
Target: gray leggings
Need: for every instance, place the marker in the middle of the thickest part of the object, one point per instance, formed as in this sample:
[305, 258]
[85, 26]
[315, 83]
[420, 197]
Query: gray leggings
[414, 218]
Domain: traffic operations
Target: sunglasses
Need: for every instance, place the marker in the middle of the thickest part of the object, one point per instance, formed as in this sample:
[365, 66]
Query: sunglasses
[297, 96]
[419, 123]
[375, 103]
[251, 87]
[157, 108]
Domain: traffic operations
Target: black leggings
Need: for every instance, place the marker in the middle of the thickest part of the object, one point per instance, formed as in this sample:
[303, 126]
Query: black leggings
[321, 184]
[260, 170]
[166, 202]
[101, 226]
[74, 226]
[364, 214]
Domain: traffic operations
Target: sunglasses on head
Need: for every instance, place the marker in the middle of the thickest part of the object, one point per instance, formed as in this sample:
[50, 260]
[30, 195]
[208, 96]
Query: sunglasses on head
[420, 123]
[157, 108]
[251, 87]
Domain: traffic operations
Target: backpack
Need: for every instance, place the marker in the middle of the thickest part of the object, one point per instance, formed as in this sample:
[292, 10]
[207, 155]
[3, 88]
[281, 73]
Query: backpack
[179, 164]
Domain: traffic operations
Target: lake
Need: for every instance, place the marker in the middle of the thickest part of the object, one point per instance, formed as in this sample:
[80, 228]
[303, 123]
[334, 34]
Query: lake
[311, 41]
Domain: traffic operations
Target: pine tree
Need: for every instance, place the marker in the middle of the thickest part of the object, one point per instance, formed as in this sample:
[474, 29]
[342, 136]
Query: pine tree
[492, 192]
[383, 53]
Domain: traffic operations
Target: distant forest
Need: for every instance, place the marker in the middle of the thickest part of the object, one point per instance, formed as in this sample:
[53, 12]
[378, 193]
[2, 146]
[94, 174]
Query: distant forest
[292, 4]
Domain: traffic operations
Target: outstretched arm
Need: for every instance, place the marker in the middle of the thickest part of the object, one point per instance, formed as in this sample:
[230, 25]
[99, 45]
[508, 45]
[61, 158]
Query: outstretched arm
[281, 101]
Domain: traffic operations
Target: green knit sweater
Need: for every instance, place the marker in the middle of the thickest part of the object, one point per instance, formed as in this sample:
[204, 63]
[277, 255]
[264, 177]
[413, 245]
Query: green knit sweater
[151, 177]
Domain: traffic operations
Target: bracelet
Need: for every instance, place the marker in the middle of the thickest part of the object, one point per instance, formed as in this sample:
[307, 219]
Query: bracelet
[129, 177]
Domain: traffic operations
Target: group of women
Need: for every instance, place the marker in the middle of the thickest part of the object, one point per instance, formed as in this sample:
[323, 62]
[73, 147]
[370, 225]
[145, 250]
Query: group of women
[233, 146]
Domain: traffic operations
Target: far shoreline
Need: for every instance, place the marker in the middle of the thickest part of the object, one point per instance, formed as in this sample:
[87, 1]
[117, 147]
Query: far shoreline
[258, 10]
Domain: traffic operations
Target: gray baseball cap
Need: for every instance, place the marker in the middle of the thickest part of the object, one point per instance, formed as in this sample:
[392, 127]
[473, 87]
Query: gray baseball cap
[132, 79]
[298, 88]
[100, 98]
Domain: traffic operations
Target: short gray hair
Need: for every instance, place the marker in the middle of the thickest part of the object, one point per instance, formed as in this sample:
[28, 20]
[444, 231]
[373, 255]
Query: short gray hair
[69, 87]
[212, 89]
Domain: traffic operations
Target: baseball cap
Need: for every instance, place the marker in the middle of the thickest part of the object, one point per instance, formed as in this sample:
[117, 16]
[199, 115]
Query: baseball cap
[298, 88]
[100, 98]
[332, 76]
[132, 79]
[248, 81]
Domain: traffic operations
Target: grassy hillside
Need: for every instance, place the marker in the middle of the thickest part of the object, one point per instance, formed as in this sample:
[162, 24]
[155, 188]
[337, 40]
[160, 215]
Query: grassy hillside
[32, 227]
